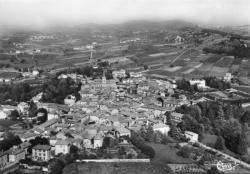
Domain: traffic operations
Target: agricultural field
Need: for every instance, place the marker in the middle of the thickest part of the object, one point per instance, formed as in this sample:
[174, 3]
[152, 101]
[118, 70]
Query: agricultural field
[225, 62]
[212, 59]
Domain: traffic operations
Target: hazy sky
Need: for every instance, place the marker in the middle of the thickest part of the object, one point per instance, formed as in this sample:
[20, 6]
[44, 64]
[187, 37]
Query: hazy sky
[47, 12]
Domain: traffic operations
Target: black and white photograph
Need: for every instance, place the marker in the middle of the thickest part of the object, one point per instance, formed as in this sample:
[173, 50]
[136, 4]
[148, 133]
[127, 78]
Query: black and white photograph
[124, 86]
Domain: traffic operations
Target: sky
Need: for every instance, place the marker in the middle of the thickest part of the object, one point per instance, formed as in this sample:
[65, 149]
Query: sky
[43, 13]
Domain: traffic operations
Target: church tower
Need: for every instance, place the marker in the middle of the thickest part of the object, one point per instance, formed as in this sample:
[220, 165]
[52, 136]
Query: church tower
[104, 80]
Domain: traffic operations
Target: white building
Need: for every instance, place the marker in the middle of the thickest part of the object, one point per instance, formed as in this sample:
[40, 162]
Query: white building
[37, 98]
[119, 74]
[201, 83]
[23, 107]
[70, 100]
[62, 146]
[41, 153]
[193, 137]
[3, 115]
[163, 128]
[35, 73]
[228, 77]
[98, 141]
[179, 39]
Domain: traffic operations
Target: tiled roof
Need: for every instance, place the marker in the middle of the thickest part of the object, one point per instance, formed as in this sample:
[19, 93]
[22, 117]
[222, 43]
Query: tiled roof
[42, 147]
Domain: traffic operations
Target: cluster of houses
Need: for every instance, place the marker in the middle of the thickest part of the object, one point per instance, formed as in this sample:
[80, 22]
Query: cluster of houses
[107, 108]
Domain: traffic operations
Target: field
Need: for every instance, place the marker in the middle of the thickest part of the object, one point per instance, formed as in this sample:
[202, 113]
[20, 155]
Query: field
[6, 123]
[225, 62]
[115, 168]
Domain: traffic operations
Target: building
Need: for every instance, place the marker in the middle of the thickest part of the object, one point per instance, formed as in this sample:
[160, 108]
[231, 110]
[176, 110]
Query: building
[122, 131]
[16, 154]
[98, 141]
[62, 146]
[228, 77]
[3, 115]
[163, 128]
[70, 100]
[176, 117]
[179, 39]
[3, 159]
[193, 137]
[23, 107]
[41, 153]
[118, 48]
[119, 74]
[201, 83]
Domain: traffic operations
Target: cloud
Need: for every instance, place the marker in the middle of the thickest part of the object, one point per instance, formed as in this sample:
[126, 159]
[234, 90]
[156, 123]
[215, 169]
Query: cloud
[38, 13]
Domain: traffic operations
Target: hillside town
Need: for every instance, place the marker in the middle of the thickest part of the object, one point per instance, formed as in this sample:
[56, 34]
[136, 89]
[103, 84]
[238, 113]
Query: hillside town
[108, 116]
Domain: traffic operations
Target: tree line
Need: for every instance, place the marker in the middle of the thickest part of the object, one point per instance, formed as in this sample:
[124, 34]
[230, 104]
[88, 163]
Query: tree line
[227, 121]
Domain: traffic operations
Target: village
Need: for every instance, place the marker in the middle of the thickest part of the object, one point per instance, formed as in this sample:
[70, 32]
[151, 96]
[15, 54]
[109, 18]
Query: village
[107, 121]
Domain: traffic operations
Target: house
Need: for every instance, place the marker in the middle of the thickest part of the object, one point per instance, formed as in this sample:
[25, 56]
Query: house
[3, 159]
[163, 128]
[87, 140]
[16, 154]
[62, 146]
[25, 146]
[70, 100]
[179, 39]
[53, 115]
[49, 124]
[98, 141]
[119, 74]
[201, 83]
[228, 77]
[23, 107]
[193, 137]
[35, 73]
[27, 136]
[3, 115]
[176, 117]
[122, 131]
[37, 98]
[41, 153]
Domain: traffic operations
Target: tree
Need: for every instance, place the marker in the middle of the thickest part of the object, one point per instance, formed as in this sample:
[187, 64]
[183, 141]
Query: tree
[231, 132]
[220, 113]
[43, 118]
[213, 170]
[243, 144]
[185, 151]
[150, 134]
[32, 109]
[56, 166]
[14, 115]
[219, 144]
[157, 137]
[9, 140]
[73, 149]
[245, 117]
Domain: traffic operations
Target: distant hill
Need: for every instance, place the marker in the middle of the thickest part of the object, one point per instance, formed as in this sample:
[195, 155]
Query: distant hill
[151, 25]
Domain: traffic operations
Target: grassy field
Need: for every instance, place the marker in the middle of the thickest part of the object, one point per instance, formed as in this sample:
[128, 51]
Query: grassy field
[115, 168]
[213, 58]
[7, 123]
[225, 62]
[165, 154]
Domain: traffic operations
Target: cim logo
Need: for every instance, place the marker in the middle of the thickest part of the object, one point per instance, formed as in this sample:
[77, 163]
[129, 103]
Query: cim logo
[226, 166]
